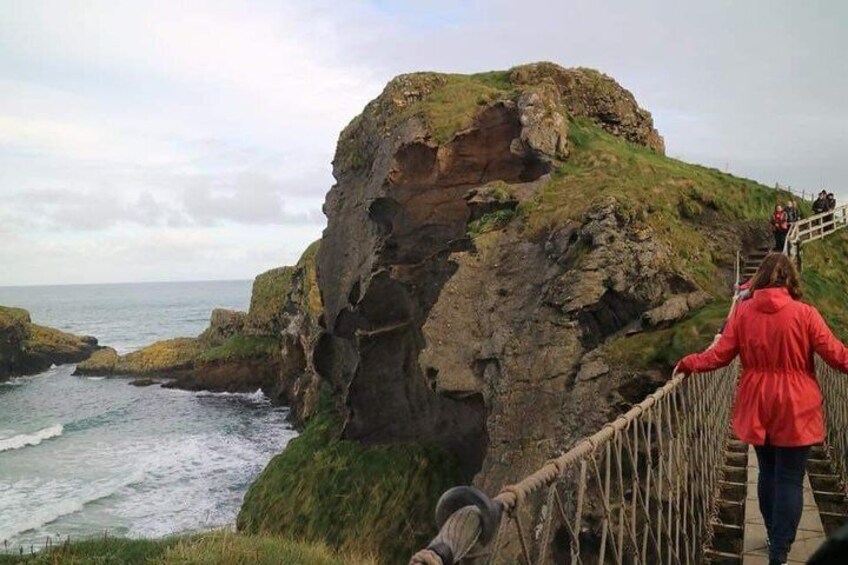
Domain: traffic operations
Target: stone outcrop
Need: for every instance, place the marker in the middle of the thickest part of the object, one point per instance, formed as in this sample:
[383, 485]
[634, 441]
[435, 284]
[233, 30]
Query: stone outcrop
[223, 325]
[586, 93]
[14, 329]
[675, 309]
[27, 348]
[395, 260]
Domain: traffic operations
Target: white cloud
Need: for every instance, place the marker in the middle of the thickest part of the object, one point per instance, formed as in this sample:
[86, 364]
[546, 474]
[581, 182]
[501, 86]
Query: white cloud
[212, 124]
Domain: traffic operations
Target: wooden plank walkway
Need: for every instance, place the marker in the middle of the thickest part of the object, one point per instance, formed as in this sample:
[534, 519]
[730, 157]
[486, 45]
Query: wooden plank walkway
[810, 531]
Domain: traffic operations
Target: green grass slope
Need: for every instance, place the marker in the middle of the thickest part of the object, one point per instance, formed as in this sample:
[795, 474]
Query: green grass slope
[824, 279]
[371, 500]
[212, 548]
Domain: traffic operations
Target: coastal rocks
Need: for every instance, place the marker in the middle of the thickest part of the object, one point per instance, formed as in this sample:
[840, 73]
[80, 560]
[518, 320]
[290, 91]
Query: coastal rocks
[615, 269]
[158, 358]
[144, 382]
[223, 325]
[14, 329]
[229, 375]
[237, 364]
[28, 349]
[101, 363]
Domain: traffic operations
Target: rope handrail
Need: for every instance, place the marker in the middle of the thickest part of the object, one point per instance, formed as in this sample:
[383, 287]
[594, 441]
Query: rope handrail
[834, 386]
[642, 489]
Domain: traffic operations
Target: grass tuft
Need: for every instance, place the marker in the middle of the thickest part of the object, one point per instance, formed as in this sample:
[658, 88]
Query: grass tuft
[490, 222]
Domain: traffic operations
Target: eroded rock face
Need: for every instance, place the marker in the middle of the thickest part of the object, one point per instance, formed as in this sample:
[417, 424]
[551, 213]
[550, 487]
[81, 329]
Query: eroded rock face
[428, 336]
[520, 320]
[383, 262]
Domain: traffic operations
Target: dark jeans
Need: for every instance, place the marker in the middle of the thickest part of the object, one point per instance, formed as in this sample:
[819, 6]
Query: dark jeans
[781, 491]
[779, 240]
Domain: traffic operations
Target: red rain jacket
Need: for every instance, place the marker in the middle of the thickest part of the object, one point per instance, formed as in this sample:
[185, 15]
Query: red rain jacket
[779, 222]
[778, 399]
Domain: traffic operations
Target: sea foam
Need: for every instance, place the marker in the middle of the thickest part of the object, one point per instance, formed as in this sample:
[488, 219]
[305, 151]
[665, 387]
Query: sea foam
[48, 512]
[256, 396]
[24, 440]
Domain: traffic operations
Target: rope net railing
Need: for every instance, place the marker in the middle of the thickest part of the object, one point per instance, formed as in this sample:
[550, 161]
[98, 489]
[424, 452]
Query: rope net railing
[643, 489]
[834, 386]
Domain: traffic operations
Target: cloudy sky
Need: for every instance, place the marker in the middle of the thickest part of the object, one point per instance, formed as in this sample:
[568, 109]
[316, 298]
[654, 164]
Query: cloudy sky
[151, 140]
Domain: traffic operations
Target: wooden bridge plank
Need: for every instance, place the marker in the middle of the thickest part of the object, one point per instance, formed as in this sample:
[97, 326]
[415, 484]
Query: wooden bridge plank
[810, 531]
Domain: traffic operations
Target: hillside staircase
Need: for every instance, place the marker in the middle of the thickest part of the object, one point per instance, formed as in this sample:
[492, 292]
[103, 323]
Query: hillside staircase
[665, 482]
[752, 261]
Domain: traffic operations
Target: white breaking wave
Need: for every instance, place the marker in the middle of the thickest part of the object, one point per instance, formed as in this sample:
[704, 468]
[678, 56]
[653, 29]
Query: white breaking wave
[14, 381]
[257, 396]
[49, 512]
[95, 378]
[24, 440]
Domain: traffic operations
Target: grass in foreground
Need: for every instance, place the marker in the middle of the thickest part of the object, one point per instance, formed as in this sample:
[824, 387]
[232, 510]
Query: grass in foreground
[368, 499]
[212, 548]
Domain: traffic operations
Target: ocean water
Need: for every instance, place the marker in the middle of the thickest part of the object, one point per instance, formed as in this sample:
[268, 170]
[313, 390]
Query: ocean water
[129, 316]
[83, 455]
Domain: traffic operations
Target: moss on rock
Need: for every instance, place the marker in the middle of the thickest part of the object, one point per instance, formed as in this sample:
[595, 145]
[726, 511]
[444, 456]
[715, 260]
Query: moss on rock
[240, 346]
[160, 357]
[267, 301]
[27, 348]
[101, 362]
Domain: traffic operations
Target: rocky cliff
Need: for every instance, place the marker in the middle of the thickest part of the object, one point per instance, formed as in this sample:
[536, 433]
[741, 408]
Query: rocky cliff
[508, 244]
[27, 348]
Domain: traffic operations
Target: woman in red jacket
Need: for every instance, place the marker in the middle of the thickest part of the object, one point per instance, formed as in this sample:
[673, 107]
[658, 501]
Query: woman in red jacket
[779, 227]
[778, 407]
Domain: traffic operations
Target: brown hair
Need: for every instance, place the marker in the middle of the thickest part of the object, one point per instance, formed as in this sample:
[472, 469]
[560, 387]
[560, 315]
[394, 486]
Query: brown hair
[777, 270]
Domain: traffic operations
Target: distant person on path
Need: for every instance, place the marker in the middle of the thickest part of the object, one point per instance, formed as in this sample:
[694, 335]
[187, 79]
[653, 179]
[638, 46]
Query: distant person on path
[820, 205]
[830, 201]
[778, 406]
[779, 227]
[793, 214]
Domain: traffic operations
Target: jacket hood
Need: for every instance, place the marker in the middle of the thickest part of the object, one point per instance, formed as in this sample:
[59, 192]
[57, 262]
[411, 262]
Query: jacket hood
[770, 300]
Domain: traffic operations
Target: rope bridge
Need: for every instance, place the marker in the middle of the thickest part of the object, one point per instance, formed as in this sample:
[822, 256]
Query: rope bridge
[641, 490]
